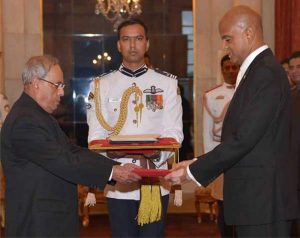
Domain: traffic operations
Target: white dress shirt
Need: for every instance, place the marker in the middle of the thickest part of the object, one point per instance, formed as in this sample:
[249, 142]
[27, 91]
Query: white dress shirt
[246, 63]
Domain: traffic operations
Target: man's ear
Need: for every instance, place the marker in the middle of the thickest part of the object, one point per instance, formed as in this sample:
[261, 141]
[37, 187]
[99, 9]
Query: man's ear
[35, 82]
[118, 45]
[249, 33]
[148, 45]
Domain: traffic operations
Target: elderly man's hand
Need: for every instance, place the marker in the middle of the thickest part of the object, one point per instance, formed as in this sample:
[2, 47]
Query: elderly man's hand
[179, 174]
[125, 174]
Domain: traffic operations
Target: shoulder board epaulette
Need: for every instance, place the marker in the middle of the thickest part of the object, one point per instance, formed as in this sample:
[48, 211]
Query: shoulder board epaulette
[157, 70]
[211, 89]
[102, 75]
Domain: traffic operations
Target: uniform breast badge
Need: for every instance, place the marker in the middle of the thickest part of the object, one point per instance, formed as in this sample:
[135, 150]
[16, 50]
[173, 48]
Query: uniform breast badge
[220, 97]
[154, 98]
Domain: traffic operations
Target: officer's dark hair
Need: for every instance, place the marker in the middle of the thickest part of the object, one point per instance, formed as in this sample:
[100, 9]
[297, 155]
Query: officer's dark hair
[224, 58]
[294, 55]
[284, 61]
[132, 21]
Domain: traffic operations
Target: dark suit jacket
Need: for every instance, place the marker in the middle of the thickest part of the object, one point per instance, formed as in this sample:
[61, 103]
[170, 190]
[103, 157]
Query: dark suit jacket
[260, 176]
[295, 128]
[42, 170]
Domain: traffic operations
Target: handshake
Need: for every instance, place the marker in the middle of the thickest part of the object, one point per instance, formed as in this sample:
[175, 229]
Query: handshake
[126, 174]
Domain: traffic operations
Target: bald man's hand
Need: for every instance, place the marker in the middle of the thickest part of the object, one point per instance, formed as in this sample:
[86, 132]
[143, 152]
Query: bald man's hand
[125, 174]
[179, 173]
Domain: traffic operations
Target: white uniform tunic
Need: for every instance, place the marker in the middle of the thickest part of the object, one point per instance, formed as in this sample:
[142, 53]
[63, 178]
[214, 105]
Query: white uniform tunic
[161, 114]
[216, 102]
[4, 108]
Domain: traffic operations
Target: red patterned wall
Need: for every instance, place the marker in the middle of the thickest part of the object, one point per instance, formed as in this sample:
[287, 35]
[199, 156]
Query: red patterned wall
[287, 27]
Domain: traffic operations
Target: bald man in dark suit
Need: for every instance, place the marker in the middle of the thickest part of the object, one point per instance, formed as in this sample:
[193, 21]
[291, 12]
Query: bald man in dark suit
[260, 178]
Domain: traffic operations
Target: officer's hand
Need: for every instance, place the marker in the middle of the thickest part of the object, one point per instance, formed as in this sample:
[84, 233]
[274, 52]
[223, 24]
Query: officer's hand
[115, 154]
[90, 200]
[125, 174]
[154, 155]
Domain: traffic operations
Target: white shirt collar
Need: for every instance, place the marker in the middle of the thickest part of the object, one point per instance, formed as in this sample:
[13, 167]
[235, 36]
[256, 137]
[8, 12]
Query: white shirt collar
[227, 85]
[246, 63]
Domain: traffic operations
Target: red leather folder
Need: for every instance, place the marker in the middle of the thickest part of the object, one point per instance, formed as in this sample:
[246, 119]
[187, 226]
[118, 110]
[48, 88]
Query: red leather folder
[152, 172]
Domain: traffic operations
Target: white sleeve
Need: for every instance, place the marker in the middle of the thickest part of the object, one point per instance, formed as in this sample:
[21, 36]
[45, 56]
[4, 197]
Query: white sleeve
[96, 131]
[172, 117]
[4, 108]
[208, 123]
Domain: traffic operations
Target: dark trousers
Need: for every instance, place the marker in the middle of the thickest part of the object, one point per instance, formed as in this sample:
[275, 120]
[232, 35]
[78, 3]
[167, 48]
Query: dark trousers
[295, 230]
[225, 230]
[123, 219]
[276, 229]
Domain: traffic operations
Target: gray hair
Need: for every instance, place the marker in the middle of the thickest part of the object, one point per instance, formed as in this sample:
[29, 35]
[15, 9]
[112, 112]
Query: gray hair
[38, 66]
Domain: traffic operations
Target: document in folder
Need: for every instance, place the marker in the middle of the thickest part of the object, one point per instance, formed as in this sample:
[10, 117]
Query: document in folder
[124, 139]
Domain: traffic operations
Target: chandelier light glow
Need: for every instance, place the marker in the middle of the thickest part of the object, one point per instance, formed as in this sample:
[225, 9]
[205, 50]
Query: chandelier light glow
[118, 10]
[101, 59]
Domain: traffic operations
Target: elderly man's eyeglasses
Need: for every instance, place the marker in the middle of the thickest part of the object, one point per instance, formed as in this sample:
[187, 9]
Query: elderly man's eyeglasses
[57, 85]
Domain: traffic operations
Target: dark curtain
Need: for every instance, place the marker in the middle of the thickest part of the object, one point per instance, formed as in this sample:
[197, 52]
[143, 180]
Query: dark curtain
[287, 27]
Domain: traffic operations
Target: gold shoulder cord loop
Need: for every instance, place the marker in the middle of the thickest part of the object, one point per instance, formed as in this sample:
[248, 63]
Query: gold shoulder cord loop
[115, 130]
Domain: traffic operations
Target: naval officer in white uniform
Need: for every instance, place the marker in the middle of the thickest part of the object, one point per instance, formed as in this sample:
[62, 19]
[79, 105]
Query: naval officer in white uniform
[216, 102]
[134, 100]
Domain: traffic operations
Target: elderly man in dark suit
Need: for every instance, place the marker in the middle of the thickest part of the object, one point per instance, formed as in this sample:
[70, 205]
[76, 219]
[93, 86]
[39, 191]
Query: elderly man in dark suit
[260, 190]
[41, 167]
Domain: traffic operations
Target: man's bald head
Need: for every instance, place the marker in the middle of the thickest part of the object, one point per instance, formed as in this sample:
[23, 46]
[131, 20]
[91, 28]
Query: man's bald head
[243, 17]
[241, 31]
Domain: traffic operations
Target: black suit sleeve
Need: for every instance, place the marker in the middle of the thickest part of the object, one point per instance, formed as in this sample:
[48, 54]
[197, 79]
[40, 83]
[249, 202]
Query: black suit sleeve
[43, 143]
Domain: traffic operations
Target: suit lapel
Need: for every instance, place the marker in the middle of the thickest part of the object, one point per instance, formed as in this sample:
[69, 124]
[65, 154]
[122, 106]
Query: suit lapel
[244, 79]
[256, 60]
